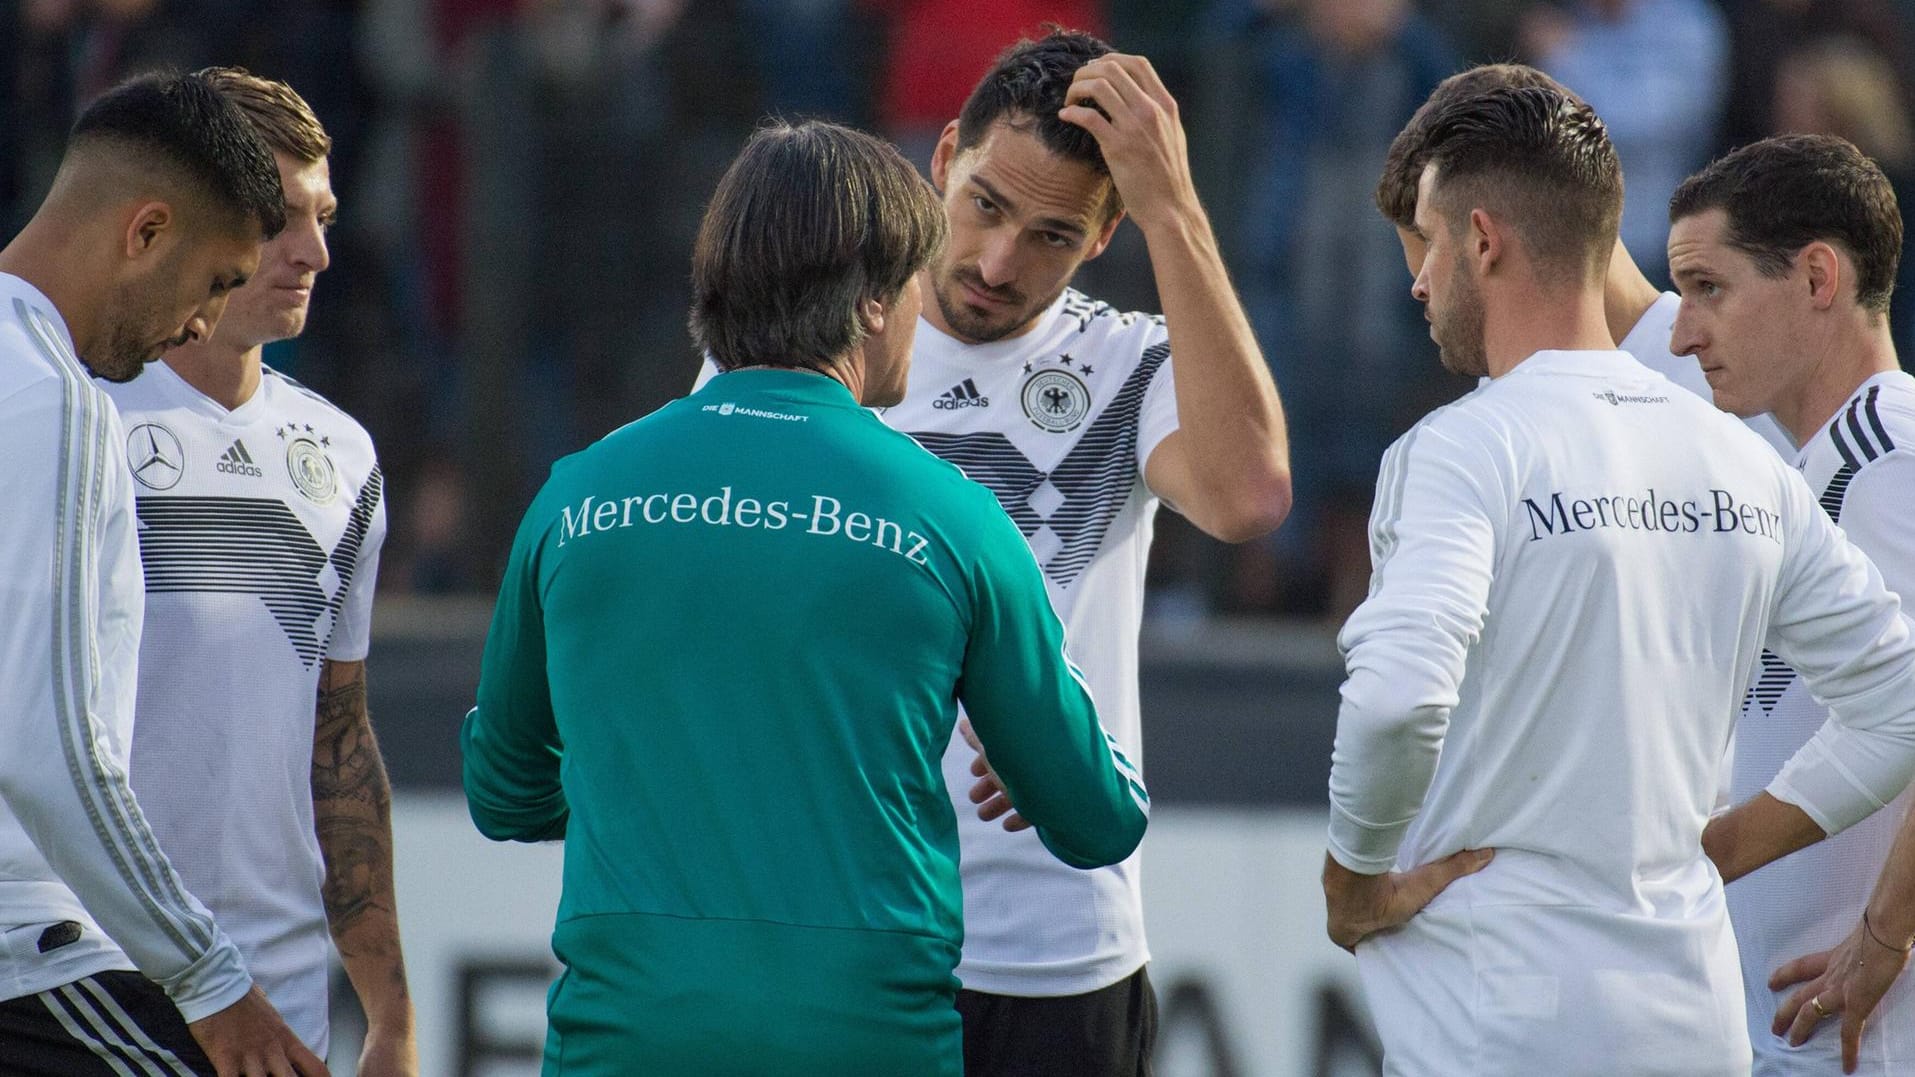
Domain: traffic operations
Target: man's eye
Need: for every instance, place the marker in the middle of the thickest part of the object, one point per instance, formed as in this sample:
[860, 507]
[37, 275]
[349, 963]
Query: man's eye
[983, 204]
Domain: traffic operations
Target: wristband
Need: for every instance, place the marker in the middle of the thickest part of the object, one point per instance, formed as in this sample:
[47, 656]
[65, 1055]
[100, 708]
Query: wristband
[1870, 928]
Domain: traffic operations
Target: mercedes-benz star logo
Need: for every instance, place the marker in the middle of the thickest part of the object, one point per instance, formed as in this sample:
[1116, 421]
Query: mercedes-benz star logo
[155, 456]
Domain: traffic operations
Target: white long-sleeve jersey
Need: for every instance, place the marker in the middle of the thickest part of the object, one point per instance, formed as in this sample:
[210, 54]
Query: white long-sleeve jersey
[1575, 568]
[1862, 465]
[73, 844]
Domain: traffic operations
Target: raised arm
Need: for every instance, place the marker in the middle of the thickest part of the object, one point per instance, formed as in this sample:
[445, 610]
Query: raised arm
[1227, 466]
[1032, 711]
[510, 740]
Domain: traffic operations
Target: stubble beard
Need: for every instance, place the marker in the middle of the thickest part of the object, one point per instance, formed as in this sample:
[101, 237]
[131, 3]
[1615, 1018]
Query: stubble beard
[968, 324]
[127, 349]
[1459, 329]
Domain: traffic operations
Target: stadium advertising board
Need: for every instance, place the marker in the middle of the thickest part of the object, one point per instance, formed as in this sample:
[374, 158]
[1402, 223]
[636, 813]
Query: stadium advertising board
[1248, 986]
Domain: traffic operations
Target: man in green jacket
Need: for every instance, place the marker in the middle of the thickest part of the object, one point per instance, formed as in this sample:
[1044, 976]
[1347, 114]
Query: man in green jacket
[729, 650]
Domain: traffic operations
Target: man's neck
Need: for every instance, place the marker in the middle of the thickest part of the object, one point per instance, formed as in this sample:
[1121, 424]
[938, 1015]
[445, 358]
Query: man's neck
[28, 258]
[1844, 362]
[227, 378]
[846, 371]
[1627, 295]
[1533, 321]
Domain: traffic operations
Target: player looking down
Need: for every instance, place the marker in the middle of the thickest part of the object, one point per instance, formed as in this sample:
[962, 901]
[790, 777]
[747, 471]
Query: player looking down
[156, 215]
[1639, 316]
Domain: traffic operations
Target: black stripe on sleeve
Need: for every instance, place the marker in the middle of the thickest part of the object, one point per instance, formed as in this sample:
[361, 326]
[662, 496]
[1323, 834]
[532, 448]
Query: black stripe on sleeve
[1841, 446]
[1837, 492]
[1854, 420]
[1875, 420]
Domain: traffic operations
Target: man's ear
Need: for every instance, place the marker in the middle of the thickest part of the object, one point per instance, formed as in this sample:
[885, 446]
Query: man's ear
[1822, 266]
[943, 155]
[148, 226]
[1485, 240]
[871, 312]
[1104, 234]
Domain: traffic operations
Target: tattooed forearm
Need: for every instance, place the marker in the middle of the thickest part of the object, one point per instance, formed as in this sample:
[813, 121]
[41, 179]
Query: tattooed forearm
[352, 812]
[353, 871]
[346, 761]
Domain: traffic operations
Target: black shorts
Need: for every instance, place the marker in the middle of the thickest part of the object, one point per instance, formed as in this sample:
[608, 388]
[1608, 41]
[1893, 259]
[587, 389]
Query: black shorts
[106, 1025]
[1106, 1033]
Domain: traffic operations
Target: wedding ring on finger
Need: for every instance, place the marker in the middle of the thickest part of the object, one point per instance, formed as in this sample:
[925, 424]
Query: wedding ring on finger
[1820, 1010]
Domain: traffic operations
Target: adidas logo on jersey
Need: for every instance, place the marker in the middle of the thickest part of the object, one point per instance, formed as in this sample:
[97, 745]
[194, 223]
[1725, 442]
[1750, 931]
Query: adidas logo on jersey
[962, 395]
[237, 461]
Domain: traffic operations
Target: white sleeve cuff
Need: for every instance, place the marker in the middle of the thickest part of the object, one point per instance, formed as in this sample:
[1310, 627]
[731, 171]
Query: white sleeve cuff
[217, 980]
[1839, 776]
[1362, 847]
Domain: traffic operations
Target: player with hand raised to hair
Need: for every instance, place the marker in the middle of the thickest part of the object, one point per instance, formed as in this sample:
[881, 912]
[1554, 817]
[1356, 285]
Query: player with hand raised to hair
[1095, 416]
[1081, 422]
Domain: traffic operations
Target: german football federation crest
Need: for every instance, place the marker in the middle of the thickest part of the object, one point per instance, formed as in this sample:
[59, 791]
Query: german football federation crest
[312, 471]
[1055, 400]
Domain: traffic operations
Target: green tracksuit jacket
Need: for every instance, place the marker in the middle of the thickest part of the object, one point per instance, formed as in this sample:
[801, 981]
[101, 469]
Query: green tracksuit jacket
[726, 659]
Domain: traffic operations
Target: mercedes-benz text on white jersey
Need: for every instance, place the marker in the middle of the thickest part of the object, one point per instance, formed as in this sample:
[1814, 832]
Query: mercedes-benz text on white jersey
[74, 846]
[1861, 466]
[260, 531]
[1575, 569]
[1058, 422]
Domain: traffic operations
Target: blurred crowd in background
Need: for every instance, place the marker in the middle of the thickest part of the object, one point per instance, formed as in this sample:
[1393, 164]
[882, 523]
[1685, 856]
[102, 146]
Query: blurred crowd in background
[520, 181]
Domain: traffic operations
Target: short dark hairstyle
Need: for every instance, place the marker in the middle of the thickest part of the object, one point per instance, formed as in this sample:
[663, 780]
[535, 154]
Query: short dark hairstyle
[808, 222]
[1540, 160]
[1409, 150]
[1025, 88]
[183, 123]
[1783, 193]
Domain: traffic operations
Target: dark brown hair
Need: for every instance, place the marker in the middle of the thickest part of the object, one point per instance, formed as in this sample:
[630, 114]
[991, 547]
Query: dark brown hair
[1539, 160]
[1409, 150]
[1783, 193]
[1025, 88]
[181, 125]
[808, 222]
[280, 115]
